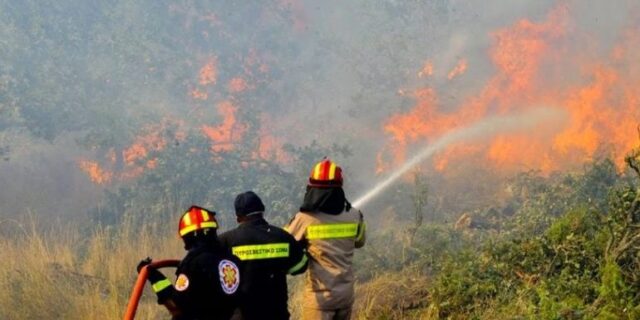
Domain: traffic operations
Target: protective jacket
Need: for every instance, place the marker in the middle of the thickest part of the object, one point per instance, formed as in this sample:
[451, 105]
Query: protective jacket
[267, 254]
[206, 285]
[332, 240]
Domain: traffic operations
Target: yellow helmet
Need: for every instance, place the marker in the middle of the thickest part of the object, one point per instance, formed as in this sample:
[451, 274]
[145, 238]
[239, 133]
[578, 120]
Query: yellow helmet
[326, 173]
[196, 219]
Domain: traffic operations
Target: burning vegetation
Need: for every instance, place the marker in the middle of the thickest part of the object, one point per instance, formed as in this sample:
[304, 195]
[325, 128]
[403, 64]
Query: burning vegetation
[191, 103]
[535, 65]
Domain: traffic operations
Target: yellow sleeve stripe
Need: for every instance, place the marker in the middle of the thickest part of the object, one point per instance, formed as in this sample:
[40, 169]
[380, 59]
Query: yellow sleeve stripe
[160, 285]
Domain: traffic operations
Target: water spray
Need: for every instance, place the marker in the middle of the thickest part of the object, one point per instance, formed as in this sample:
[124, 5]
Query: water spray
[487, 127]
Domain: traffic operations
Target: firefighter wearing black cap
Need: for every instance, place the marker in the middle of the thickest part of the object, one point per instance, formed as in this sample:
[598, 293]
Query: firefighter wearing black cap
[267, 255]
[333, 230]
[207, 278]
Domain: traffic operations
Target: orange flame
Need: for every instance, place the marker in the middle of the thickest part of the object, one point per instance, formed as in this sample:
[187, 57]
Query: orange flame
[533, 65]
[442, 160]
[137, 157]
[153, 140]
[95, 172]
[225, 135]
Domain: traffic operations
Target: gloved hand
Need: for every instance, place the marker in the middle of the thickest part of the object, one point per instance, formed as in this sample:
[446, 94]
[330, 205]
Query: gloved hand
[153, 275]
[143, 263]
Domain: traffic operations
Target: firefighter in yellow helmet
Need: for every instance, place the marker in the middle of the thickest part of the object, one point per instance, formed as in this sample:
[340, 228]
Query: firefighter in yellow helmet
[333, 230]
[208, 276]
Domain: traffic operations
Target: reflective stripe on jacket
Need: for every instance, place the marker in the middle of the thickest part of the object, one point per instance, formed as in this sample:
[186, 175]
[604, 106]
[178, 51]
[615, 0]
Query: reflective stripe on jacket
[267, 255]
[200, 290]
[332, 240]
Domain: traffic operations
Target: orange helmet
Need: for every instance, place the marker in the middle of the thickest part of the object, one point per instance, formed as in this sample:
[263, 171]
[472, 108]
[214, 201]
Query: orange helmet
[196, 219]
[326, 174]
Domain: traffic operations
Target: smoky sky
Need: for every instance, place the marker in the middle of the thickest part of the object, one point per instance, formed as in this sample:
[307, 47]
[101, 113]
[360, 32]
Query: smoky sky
[335, 69]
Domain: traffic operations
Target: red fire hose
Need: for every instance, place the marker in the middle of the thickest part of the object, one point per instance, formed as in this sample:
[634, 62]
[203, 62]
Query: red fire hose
[136, 293]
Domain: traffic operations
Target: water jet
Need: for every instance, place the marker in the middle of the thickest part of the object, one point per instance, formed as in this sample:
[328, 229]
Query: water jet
[484, 128]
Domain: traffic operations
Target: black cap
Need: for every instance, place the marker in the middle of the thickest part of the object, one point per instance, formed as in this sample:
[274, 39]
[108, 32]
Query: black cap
[248, 203]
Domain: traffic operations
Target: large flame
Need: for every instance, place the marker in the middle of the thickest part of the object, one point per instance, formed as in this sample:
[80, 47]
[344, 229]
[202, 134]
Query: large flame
[535, 66]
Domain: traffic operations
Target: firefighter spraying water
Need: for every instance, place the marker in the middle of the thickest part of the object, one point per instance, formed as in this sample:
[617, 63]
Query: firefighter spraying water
[485, 128]
[325, 182]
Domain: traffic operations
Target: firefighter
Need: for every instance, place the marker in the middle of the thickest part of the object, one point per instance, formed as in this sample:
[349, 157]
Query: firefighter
[267, 255]
[207, 278]
[332, 230]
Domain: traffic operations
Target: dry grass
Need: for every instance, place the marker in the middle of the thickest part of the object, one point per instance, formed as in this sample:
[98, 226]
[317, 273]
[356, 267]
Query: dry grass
[65, 272]
[388, 296]
[399, 295]
[62, 274]
[296, 287]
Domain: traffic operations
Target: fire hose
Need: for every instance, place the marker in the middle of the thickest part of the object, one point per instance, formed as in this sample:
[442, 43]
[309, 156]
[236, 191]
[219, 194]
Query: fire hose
[138, 288]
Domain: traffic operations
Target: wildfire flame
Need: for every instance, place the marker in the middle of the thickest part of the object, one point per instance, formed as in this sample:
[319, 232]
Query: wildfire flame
[96, 173]
[536, 64]
[532, 60]
[153, 140]
[227, 134]
[136, 158]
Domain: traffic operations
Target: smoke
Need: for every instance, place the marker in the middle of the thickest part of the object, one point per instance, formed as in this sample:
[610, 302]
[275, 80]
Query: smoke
[383, 77]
